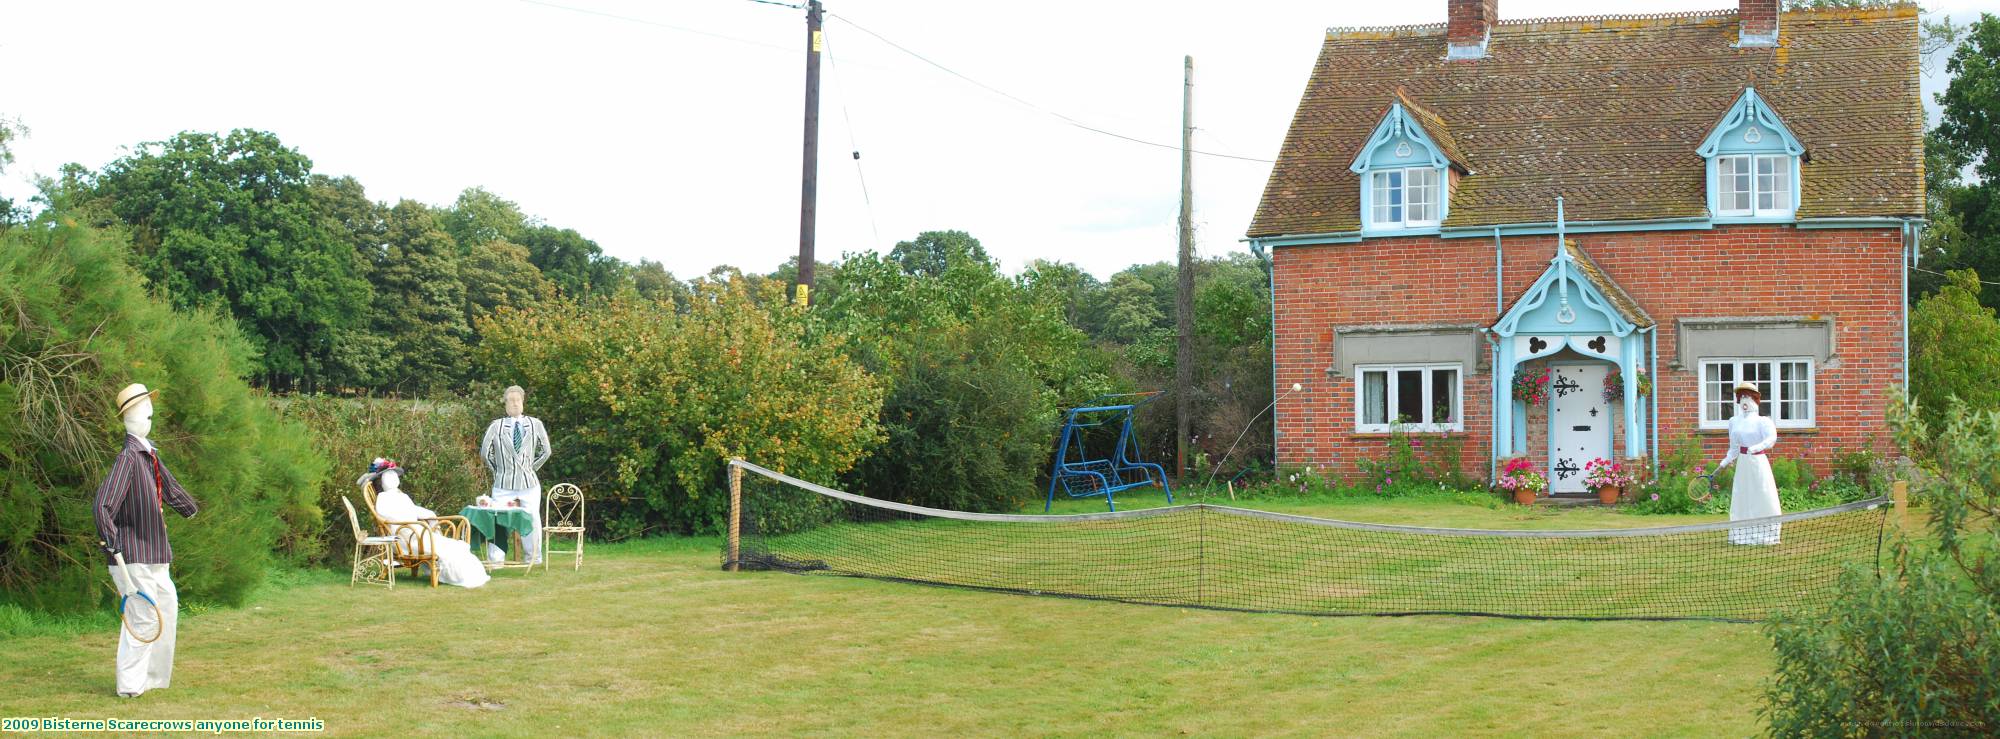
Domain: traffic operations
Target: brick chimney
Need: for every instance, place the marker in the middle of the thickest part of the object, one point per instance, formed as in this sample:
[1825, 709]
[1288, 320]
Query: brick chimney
[1760, 22]
[1470, 25]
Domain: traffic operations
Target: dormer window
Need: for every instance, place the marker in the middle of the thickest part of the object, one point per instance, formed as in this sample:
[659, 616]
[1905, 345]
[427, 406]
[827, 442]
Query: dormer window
[1404, 198]
[1404, 185]
[1753, 164]
[1754, 185]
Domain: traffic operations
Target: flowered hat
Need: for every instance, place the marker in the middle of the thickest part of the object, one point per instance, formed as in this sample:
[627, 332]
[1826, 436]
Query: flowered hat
[379, 466]
[1743, 388]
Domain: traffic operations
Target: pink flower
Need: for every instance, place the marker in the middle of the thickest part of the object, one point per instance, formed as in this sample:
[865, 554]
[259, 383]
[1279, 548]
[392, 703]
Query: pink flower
[1656, 496]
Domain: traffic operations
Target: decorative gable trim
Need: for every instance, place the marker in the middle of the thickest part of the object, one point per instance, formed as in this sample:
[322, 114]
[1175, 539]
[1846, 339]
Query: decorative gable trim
[1578, 287]
[1749, 108]
[1398, 127]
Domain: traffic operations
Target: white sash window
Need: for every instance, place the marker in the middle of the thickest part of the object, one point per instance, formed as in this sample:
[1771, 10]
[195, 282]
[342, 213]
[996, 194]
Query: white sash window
[1426, 397]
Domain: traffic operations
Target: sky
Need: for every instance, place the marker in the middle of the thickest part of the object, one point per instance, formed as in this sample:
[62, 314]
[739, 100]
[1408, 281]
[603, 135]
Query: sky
[671, 130]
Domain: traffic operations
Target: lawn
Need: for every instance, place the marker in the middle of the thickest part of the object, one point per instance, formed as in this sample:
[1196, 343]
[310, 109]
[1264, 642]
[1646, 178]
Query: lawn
[652, 638]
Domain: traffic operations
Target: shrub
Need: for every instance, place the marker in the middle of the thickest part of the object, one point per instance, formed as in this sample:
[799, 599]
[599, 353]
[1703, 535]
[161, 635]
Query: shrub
[438, 441]
[1912, 651]
[78, 325]
[977, 367]
[644, 404]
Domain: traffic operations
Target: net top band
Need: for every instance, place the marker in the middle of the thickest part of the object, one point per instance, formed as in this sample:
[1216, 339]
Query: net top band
[1869, 504]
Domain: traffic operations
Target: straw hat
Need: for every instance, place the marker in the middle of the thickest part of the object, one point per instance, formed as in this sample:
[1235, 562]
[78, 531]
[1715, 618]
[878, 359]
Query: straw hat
[131, 395]
[1745, 387]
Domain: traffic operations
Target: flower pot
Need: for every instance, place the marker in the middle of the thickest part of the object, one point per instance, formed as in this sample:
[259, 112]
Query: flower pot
[1608, 494]
[1524, 497]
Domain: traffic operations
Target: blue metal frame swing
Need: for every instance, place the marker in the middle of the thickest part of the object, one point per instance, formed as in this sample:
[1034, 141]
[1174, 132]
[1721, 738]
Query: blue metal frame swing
[1082, 476]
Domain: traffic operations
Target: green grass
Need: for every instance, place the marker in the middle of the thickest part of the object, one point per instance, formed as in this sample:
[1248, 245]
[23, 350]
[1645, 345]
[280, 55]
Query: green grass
[652, 638]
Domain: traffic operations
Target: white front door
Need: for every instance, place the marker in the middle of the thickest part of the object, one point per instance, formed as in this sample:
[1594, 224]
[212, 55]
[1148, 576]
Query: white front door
[1579, 423]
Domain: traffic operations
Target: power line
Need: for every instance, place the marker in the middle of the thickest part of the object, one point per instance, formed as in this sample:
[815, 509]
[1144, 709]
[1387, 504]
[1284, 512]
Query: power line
[1032, 106]
[852, 140]
[1941, 274]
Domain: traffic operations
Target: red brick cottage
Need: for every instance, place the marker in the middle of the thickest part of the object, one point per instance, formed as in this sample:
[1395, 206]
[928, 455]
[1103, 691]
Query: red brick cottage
[1739, 193]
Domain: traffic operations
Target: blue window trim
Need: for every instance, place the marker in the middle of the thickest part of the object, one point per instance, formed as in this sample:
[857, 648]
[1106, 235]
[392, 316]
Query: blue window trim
[1397, 125]
[1750, 109]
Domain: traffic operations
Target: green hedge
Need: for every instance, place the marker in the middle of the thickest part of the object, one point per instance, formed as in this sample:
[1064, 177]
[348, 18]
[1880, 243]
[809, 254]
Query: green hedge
[438, 440]
[644, 402]
[76, 324]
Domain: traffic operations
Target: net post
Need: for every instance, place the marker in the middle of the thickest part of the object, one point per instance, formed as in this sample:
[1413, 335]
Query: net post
[1900, 493]
[735, 515]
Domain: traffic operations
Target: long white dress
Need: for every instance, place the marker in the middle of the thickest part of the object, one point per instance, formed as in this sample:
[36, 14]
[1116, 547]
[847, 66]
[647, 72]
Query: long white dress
[1755, 493]
[456, 564]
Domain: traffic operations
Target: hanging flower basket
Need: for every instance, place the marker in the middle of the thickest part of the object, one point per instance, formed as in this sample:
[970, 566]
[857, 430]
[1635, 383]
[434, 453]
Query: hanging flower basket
[1614, 385]
[1532, 387]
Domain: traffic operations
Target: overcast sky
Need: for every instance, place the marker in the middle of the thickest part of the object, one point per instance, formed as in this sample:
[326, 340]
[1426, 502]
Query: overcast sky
[672, 132]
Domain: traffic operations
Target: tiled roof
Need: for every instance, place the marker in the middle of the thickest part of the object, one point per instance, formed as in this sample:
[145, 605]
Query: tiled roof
[1434, 127]
[1607, 113]
[1620, 300]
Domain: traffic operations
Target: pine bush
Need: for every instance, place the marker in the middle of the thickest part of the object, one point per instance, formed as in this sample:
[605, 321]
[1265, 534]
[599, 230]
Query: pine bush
[77, 324]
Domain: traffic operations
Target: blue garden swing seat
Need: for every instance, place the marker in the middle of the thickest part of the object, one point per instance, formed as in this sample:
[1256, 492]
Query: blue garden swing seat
[1080, 475]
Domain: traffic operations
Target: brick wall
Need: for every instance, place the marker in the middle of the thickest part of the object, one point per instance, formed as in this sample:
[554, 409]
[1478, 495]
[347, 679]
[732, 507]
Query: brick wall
[1852, 275]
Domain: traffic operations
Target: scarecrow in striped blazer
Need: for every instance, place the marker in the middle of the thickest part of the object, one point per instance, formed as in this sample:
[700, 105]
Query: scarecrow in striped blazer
[131, 519]
[514, 448]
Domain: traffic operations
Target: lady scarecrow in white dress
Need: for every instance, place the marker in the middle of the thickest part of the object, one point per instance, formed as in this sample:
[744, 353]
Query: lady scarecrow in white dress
[456, 565]
[1755, 494]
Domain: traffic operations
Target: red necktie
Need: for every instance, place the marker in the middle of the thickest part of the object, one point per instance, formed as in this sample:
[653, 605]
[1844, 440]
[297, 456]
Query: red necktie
[159, 484]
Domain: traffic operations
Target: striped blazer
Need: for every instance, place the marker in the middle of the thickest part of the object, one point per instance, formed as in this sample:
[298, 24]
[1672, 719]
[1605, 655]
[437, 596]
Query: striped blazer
[514, 448]
[131, 508]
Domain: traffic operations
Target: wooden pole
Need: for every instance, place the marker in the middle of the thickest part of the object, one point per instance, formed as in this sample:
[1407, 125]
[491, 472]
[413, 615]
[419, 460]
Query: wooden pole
[1184, 296]
[809, 180]
[1900, 493]
[735, 516]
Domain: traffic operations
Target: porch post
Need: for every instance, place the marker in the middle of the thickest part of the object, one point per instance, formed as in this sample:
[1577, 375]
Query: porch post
[1628, 364]
[1503, 400]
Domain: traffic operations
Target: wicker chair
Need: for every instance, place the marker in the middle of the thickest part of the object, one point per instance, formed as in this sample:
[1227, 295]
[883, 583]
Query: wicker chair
[562, 514]
[412, 547]
[371, 554]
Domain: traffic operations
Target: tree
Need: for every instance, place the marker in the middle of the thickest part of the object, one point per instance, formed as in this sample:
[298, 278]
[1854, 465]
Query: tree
[420, 301]
[1911, 651]
[976, 363]
[652, 281]
[1966, 216]
[933, 252]
[498, 276]
[233, 223]
[1954, 349]
[9, 130]
[77, 324]
[652, 401]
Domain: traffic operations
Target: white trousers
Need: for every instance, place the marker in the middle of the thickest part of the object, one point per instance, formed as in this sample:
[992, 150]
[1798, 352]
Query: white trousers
[142, 666]
[531, 544]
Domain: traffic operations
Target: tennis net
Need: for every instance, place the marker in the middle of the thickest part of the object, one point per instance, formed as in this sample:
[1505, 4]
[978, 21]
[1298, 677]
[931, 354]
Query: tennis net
[1210, 556]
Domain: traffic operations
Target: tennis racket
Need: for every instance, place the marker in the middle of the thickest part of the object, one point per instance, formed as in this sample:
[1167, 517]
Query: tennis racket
[137, 610]
[1701, 488]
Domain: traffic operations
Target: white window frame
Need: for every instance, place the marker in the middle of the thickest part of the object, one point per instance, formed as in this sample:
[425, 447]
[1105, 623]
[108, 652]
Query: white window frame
[1780, 182]
[1437, 186]
[1361, 373]
[1769, 407]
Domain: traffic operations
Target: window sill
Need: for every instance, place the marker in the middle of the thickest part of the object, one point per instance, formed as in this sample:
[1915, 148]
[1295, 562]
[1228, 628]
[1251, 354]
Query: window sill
[1374, 232]
[1782, 430]
[1406, 432]
[1728, 220]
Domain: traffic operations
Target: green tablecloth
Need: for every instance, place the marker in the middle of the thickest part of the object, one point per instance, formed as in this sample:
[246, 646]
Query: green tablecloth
[495, 524]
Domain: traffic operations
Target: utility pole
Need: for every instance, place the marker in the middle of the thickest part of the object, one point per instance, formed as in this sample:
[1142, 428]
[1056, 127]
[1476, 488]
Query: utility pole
[1184, 297]
[809, 181]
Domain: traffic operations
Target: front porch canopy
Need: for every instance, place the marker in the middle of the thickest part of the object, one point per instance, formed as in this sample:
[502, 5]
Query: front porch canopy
[1574, 305]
